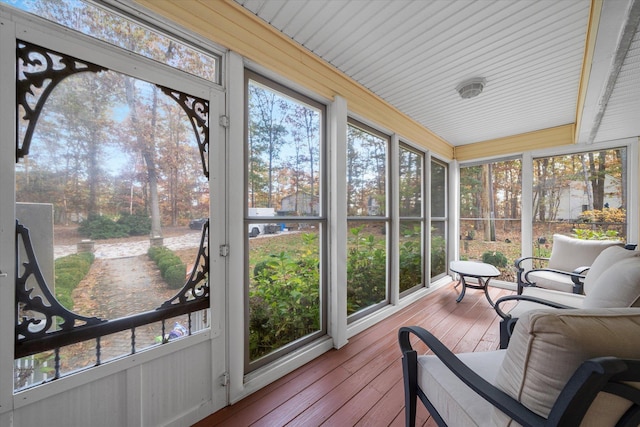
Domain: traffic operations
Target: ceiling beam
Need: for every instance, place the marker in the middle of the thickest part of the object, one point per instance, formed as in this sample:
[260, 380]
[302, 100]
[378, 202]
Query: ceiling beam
[545, 138]
[629, 30]
[618, 23]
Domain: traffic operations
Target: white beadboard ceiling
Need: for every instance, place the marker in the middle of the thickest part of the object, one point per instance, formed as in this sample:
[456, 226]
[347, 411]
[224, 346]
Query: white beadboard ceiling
[413, 54]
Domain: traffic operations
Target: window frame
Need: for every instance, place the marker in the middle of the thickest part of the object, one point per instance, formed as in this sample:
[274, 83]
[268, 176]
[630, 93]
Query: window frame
[40, 32]
[444, 219]
[387, 219]
[321, 219]
[422, 218]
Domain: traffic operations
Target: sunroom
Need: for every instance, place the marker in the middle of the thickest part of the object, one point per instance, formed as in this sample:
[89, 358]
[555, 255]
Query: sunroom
[202, 196]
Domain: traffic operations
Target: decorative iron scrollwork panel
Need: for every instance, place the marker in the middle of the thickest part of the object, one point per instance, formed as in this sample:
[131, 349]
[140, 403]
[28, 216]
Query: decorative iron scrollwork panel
[197, 284]
[197, 110]
[42, 322]
[37, 309]
[39, 71]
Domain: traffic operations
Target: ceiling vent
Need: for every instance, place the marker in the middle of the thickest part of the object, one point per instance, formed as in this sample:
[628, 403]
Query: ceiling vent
[471, 88]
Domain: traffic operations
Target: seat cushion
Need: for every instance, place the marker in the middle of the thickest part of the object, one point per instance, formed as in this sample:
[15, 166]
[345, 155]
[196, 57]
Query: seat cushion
[551, 280]
[456, 402]
[547, 347]
[564, 298]
[603, 262]
[568, 253]
[617, 286]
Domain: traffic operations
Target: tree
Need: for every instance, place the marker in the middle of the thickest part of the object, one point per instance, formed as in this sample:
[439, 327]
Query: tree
[305, 124]
[267, 114]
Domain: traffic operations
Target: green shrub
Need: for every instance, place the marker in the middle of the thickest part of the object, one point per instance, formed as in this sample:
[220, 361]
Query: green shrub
[69, 271]
[136, 225]
[156, 252]
[438, 254]
[260, 267]
[175, 276]
[366, 270]
[410, 259]
[167, 261]
[589, 234]
[171, 267]
[495, 258]
[284, 298]
[100, 227]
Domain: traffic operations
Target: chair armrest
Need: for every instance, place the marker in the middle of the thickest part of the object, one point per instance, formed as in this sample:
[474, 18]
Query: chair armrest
[524, 258]
[483, 388]
[576, 275]
[522, 282]
[607, 374]
[507, 316]
[578, 279]
[579, 273]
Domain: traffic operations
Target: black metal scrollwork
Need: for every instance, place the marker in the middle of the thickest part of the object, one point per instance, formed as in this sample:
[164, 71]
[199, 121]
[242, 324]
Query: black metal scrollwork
[42, 323]
[38, 72]
[197, 110]
[197, 285]
[38, 307]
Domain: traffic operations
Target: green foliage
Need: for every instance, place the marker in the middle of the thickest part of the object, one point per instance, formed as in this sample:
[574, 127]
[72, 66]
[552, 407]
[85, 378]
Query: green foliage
[171, 267]
[495, 258]
[284, 299]
[98, 227]
[69, 271]
[589, 234]
[410, 259]
[604, 215]
[366, 271]
[166, 261]
[175, 276]
[438, 254]
[137, 224]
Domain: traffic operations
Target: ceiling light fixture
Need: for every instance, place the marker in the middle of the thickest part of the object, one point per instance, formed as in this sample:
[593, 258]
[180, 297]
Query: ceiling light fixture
[471, 88]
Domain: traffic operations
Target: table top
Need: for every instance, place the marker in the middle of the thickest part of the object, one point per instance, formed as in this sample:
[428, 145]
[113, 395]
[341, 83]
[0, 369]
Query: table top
[474, 269]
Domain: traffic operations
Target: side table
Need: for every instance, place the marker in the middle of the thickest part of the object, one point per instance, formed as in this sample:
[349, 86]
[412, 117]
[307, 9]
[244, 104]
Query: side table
[478, 270]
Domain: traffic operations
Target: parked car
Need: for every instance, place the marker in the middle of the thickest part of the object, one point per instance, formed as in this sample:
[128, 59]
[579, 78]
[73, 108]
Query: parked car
[197, 223]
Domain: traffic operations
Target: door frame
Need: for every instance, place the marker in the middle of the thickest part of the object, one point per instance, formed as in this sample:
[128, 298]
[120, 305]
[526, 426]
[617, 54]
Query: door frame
[16, 24]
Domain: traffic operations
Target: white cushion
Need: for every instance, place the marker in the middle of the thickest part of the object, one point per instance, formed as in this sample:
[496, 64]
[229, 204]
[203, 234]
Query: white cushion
[606, 259]
[617, 286]
[547, 347]
[564, 298]
[551, 280]
[456, 402]
[568, 253]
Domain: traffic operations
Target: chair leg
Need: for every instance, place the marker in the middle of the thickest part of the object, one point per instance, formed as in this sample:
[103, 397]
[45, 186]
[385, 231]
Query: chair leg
[504, 334]
[410, 373]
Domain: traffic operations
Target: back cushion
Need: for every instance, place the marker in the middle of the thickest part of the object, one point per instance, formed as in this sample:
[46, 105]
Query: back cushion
[606, 259]
[547, 347]
[617, 286]
[568, 253]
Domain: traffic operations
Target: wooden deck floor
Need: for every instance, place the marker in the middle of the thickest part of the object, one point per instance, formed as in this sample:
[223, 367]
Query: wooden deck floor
[361, 384]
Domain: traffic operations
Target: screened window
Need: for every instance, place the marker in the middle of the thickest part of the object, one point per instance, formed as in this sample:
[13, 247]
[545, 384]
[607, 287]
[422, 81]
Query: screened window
[582, 195]
[284, 219]
[368, 221]
[112, 215]
[490, 208]
[438, 219]
[103, 24]
[412, 220]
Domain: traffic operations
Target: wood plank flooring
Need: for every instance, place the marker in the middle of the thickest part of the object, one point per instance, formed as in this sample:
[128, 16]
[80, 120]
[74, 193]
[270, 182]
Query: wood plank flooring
[361, 384]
